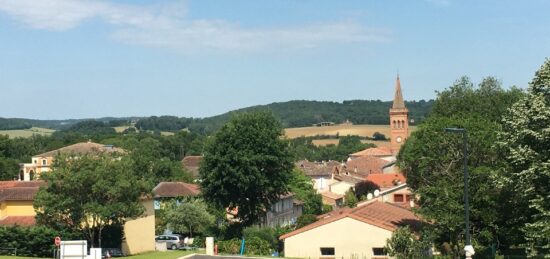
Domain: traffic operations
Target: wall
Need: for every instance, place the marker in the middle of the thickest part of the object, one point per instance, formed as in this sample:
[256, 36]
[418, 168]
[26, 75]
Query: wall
[340, 187]
[349, 237]
[16, 208]
[140, 233]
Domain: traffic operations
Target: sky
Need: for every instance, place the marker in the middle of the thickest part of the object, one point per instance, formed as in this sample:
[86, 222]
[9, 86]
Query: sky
[90, 59]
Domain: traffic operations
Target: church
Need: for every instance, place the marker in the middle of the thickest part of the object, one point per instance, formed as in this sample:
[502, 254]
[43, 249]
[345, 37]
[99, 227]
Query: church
[399, 119]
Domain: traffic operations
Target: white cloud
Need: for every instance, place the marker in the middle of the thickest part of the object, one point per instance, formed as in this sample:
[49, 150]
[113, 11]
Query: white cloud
[165, 26]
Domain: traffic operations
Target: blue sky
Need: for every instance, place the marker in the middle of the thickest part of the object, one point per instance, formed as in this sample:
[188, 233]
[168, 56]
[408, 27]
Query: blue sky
[86, 59]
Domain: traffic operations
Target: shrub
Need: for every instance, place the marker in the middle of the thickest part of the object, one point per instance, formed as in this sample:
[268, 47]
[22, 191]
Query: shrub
[36, 241]
[267, 234]
[253, 246]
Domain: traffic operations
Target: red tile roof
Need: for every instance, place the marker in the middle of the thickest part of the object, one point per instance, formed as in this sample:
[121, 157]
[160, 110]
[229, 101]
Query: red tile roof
[365, 165]
[317, 168]
[379, 214]
[387, 180]
[18, 220]
[19, 190]
[83, 148]
[175, 189]
[373, 151]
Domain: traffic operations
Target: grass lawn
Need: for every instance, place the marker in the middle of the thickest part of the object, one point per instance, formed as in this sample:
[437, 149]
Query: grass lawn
[18, 257]
[152, 255]
[163, 255]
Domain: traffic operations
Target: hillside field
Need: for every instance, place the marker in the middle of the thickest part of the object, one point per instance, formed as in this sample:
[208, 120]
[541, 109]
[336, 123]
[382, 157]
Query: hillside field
[342, 130]
[25, 133]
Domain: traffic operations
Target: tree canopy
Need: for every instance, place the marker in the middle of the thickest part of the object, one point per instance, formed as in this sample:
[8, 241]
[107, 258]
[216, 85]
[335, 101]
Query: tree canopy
[246, 165]
[432, 161]
[525, 139]
[89, 193]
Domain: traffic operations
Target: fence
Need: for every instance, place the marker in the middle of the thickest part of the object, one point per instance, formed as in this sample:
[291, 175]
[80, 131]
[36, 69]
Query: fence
[8, 251]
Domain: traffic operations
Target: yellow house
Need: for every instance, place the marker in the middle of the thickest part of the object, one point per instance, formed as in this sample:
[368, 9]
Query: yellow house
[349, 233]
[16, 202]
[16, 208]
[42, 163]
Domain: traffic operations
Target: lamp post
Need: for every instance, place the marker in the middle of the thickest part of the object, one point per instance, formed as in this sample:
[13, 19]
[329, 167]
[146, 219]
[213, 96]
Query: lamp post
[468, 248]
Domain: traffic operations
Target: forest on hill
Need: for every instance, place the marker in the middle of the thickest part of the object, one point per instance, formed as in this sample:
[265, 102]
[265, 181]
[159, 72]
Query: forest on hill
[296, 114]
[299, 113]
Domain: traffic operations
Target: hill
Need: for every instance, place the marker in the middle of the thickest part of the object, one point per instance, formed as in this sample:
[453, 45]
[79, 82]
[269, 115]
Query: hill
[299, 113]
[307, 113]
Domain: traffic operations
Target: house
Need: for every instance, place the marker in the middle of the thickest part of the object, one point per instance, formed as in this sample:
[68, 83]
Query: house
[380, 152]
[16, 200]
[320, 172]
[333, 199]
[363, 166]
[16, 208]
[349, 233]
[171, 190]
[192, 164]
[284, 212]
[42, 162]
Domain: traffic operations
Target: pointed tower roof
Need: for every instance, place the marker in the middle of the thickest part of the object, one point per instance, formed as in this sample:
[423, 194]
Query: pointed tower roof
[398, 102]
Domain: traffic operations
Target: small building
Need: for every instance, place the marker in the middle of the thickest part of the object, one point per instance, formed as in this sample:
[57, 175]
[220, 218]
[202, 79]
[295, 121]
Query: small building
[350, 233]
[333, 199]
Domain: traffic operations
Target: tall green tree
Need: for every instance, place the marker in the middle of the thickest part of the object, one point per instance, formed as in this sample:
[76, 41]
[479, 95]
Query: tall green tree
[432, 162]
[190, 216]
[89, 193]
[246, 165]
[302, 187]
[525, 138]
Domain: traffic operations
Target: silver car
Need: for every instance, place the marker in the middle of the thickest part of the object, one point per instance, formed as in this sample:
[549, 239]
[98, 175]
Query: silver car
[172, 241]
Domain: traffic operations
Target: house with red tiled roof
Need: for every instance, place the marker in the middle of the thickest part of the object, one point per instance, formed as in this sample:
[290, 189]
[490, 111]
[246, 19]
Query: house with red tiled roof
[42, 162]
[380, 152]
[350, 233]
[16, 198]
[321, 173]
[173, 190]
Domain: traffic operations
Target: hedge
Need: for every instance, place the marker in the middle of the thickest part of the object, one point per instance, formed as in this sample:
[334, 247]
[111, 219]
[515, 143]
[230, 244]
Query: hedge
[253, 246]
[36, 241]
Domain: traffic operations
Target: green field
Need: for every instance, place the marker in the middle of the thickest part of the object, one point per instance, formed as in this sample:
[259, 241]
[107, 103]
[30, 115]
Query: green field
[25, 133]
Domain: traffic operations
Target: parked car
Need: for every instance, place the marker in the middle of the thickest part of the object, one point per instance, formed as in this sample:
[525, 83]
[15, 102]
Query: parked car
[172, 241]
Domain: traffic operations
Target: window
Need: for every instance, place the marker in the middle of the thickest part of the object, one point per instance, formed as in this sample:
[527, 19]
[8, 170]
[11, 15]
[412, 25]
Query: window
[398, 198]
[327, 251]
[43, 161]
[35, 162]
[378, 251]
[410, 198]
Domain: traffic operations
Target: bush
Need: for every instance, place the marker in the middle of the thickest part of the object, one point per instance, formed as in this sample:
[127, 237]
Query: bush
[267, 234]
[253, 246]
[231, 246]
[36, 241]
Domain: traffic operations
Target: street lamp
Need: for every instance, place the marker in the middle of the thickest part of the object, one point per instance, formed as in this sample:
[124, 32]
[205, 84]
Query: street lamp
[468, 248]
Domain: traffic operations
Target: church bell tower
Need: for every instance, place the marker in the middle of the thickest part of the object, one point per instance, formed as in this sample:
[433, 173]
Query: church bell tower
[399, 119]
